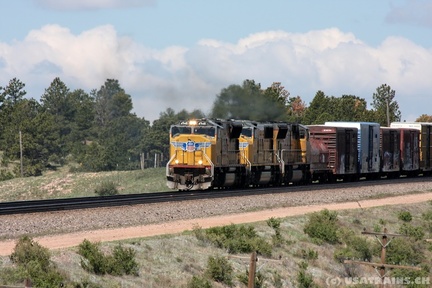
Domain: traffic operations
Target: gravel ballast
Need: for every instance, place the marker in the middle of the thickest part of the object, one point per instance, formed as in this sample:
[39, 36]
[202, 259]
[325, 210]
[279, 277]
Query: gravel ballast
[36, 224]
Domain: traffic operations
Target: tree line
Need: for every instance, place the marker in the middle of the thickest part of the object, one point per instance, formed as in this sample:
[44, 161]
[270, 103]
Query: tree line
[98, 132]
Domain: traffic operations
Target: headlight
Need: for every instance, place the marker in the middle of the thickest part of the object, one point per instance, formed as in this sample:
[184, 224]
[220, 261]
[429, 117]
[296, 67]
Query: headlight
[176, 161]
[200, 162]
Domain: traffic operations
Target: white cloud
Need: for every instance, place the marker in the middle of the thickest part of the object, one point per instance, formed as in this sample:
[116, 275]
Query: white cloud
[92, 4]
[190, 77]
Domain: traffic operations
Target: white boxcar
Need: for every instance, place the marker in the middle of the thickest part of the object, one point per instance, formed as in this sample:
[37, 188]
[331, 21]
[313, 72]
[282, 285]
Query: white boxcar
[368, 146]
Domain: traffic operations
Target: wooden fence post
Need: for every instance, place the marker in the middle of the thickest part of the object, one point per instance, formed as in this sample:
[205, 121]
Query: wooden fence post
[252, 270]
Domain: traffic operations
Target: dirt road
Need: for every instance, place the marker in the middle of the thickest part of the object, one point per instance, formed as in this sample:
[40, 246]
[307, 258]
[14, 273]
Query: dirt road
[73, 239]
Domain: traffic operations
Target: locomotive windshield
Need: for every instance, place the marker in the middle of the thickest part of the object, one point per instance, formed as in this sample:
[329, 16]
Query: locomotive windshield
[176, 130]
[204, 130]
[247, 132]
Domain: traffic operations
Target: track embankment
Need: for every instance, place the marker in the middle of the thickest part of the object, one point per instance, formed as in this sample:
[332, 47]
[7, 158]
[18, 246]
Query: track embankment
[168, 220]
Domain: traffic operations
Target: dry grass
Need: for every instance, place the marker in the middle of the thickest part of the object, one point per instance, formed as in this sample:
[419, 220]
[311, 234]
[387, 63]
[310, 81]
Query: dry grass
[63, 184]
[171, 261]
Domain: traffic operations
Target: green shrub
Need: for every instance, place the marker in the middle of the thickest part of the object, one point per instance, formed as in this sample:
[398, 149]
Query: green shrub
[403, 251]
[12, 275]
[322, 226]
[121, 262]
[124, 261]
[410, 276]
[27, 251]
[362, 247]
[309, 254]
[199, 233]
[405, 216]
[377, 228]
[220, 270]
[353, 252]
[107, 188]
[33, 261]
[275, 224]
[259, 279]
[199, 282]
[237, 239]
[412, 231]
[304, 279]
[43, 277]
[356, 247]
[85, 283]
[94, 260]
[427, 216]
[6, 175]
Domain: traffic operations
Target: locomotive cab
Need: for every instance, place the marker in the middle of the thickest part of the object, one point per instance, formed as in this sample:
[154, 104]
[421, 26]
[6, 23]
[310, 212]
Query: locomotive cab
[204, 154]
[190, 166]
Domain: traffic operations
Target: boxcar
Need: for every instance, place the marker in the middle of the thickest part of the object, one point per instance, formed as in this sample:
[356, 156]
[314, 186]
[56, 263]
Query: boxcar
[390, 152]
[333, 153]
[425, 146]
[410, 156]
[368, 147]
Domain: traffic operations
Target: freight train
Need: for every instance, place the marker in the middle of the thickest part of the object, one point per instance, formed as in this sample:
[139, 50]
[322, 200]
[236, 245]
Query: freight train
[218, 153]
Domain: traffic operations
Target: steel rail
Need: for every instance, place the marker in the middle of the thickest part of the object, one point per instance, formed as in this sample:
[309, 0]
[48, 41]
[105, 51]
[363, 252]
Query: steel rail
[47, 205]
[31, 206]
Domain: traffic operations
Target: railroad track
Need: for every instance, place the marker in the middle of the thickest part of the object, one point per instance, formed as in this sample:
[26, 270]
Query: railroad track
[32, 206]
[47, 205]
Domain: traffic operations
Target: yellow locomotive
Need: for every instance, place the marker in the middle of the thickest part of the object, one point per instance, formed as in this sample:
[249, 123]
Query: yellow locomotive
[214, 153]
[204, 153]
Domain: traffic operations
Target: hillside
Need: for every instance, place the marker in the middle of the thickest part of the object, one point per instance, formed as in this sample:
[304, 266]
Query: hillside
[62, 183]
[289, 256]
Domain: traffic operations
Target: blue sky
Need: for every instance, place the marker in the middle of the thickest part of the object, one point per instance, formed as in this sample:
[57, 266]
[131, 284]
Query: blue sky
[180, 54]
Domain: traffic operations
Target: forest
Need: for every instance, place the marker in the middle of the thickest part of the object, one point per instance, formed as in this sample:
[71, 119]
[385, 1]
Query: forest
[97, 130]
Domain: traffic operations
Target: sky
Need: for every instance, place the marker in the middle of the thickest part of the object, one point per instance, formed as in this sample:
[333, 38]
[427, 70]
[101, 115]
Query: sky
[181, 54]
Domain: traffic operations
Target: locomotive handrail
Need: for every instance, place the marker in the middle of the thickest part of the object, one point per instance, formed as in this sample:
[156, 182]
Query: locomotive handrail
[211, 163]
[167, 165]
[248, 165]
[282, 162]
